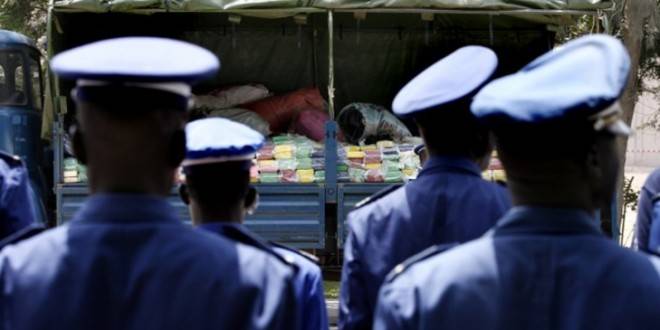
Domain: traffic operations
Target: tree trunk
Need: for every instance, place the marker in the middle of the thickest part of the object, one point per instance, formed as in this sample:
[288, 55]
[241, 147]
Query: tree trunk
[636, 14]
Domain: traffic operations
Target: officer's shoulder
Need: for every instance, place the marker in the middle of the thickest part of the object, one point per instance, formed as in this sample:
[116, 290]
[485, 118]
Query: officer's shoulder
[11, 160]
[22, 235]
[424, 255]
[302, 254]
[377, 196]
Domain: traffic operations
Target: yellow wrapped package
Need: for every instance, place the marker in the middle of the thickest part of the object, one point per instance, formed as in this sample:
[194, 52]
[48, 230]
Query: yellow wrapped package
[385, 144]
[284, 155]
[409, 171]
[369, 147]
[305, 176]
[283, 148]
[355, 154]
[351, 149]
[373, 166]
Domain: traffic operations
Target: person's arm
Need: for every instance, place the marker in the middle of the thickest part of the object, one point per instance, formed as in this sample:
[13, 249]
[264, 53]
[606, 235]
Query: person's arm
[354, 309]
[316, 300]
[396, 308]
[644, 215]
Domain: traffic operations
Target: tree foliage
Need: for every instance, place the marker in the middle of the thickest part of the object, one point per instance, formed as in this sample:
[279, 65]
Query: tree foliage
[25, 16]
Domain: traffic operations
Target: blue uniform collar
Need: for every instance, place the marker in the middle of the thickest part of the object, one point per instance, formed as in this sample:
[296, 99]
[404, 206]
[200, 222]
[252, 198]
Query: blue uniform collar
[437, 163]
[126, 208]
[546, 221]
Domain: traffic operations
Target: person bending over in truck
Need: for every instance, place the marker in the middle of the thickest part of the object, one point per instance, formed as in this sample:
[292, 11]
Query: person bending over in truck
[125, 261]
[546, 264]
[448, 203]
[217, 191]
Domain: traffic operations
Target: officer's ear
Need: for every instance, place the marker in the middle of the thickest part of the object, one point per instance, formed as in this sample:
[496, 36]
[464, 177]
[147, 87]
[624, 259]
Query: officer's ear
[177, 148]
[251, 200]
[183, 193]
[77, 142]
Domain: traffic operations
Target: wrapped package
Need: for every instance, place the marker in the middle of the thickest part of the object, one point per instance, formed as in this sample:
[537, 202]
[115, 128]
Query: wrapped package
[287, 164]
[318, 153]
[409, 159]
[254, 174]
[279, 111]
[406, 147]
[266, 153]
[352, 148]
[304, 151]
[283, 139]
[355, 155]
[284, 155]
[384, 144]
[343, 177]
[375, 176]
[391, 156]
[304, 164]
[305, 176]
[318, 163]
[369, 147]
[372, 166]
[268, 166]
[373, 156]
[319, 176]
[288, 176]
[364, 123]
[393, 176]
[389, 165]
[357, 174]
[269, 177]
[342, 167]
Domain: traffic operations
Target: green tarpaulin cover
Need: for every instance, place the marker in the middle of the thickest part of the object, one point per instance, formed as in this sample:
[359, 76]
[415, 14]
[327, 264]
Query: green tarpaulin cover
[214, 5]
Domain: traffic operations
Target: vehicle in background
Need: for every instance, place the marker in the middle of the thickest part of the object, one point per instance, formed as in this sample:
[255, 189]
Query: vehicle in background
[21, 105]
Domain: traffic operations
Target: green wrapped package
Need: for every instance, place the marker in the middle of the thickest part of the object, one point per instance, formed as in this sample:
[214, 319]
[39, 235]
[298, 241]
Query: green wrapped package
[304, 151]
[70, 164]
[305, 164]
[390, 166]
[286, 164]
[341, 167]
[393, 176]
[282, 139]
[392, 157]
[319, 176]
[357, 174]
[269, 178]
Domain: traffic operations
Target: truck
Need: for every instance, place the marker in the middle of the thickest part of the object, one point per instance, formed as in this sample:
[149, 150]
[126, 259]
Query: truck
[21, 105]
[351, 50]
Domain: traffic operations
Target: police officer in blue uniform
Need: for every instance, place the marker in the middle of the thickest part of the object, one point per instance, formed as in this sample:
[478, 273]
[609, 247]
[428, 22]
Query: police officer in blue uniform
[448, 202]
[645, 218]
[546, 264]
[17, 219]
[125, 261]
[217, 189]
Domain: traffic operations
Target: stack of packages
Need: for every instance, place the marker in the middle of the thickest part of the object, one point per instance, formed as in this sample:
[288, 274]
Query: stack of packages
[495, 171]
[73, 171]
[289, 159]
[384, 161]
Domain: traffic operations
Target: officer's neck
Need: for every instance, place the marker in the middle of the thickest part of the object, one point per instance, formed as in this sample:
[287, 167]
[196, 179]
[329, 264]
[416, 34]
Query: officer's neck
[557, 193]
[201, 215]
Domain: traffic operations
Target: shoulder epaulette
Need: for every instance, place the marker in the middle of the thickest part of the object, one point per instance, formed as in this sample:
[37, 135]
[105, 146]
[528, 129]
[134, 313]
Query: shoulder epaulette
[425, 254]
[378, 195]
[11, 160]
[240, 236]
[301, 253]
[21, 235]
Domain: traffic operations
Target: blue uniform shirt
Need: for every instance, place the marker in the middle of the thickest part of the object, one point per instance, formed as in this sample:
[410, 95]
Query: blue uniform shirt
[16, 211]
[538, 269]
[645, 210]
[126, 262]
[308, 279]
[449, 202]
